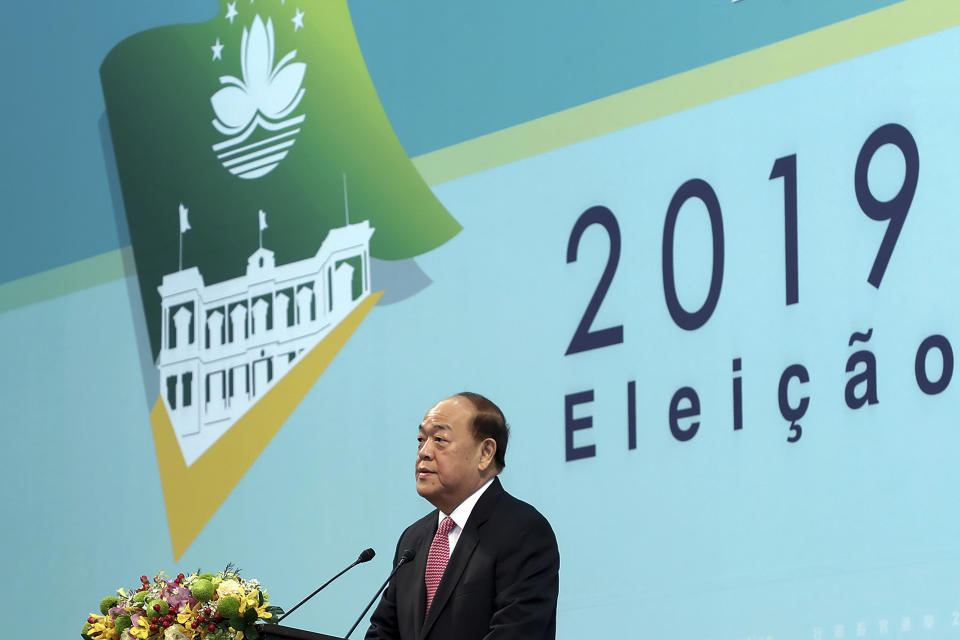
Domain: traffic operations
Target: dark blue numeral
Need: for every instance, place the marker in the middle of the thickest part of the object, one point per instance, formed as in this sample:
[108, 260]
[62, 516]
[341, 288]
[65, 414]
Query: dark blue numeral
[786, 168]
[894, 210]
[583, 338]
[684, 319]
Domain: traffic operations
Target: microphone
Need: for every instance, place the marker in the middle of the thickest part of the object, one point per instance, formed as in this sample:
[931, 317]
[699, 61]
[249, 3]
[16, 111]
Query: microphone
[406, 556]
[365, 556]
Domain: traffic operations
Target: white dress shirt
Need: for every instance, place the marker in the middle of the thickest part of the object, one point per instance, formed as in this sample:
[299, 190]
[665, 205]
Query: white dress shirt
[462, 513]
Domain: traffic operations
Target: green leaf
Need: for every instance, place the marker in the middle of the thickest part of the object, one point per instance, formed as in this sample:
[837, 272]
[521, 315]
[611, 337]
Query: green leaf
[251, 633]
[237, 623]
[250, 616]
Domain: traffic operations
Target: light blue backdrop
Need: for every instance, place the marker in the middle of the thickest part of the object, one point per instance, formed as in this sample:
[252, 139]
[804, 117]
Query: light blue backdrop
[733, 534]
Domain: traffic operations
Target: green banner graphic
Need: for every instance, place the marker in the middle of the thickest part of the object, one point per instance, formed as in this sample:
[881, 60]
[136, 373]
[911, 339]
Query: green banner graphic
[266, 107]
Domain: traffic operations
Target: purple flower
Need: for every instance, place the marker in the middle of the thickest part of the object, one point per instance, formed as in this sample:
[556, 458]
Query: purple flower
[181, 597]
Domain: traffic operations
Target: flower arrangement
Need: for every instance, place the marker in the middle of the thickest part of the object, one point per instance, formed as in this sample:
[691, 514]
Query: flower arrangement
[201, 606]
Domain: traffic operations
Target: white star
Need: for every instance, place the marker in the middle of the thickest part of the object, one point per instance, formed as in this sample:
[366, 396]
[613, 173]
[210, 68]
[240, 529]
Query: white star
[231, 11]
[297, 20]
[217, 50]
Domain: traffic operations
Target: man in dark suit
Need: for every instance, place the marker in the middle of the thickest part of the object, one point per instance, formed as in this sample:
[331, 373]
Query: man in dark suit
[486, 564]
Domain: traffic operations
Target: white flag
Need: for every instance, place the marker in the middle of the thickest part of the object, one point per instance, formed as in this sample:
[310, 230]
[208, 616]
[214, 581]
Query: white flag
[184, 223]
[263, 220]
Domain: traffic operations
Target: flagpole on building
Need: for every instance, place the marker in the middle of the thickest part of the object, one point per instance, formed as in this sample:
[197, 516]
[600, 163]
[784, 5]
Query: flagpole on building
[184, 226]
[346, 203]
[261, 224]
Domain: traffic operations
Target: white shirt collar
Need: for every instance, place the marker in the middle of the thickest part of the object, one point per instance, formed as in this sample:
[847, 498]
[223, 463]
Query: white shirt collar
[462, 513]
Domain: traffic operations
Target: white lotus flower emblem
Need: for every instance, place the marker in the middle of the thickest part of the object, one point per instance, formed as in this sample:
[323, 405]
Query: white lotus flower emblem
[274, 92]
[264, 98]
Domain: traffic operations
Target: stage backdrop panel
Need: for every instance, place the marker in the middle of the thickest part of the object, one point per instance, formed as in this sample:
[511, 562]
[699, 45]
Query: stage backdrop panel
[702, 256]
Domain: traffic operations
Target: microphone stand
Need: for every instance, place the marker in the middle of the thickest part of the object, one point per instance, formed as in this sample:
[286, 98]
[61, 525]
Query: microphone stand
[406, 556]
[363, 558]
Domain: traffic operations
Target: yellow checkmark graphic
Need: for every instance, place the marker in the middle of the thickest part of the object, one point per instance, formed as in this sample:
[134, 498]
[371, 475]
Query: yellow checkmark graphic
[222, 466]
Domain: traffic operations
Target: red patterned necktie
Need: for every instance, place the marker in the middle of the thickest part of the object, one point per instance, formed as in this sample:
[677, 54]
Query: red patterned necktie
[437, 559]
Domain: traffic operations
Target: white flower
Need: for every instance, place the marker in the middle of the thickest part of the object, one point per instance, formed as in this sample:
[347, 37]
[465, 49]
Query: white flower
[176, 632]
[228, 588]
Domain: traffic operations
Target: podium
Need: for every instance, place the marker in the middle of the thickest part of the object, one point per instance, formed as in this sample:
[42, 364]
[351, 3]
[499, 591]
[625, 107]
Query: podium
[278, 632]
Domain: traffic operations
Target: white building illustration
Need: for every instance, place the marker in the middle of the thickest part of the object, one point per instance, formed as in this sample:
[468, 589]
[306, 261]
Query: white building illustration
[225, 345]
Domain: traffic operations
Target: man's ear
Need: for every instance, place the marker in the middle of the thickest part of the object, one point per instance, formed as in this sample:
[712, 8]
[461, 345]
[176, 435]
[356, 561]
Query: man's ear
[488, 449]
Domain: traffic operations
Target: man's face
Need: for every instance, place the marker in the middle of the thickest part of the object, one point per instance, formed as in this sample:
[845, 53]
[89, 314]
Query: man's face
[450, 461]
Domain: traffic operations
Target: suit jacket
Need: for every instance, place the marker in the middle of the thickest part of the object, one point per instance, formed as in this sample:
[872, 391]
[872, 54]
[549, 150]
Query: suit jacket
[500, 584]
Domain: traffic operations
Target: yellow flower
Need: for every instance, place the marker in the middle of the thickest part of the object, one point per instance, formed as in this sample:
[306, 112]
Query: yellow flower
[187, 614]
[141, 629]
[250, 602]
[102, 628]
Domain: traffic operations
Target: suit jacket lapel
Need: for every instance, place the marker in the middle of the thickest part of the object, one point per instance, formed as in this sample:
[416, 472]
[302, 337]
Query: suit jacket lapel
[467, 542]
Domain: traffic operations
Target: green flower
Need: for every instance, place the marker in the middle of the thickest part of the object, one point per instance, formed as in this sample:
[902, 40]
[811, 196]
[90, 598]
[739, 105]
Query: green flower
[123, 623]
[228, 607]
[107, 603]
[202, 590]
[141, 596]
[157, 608]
